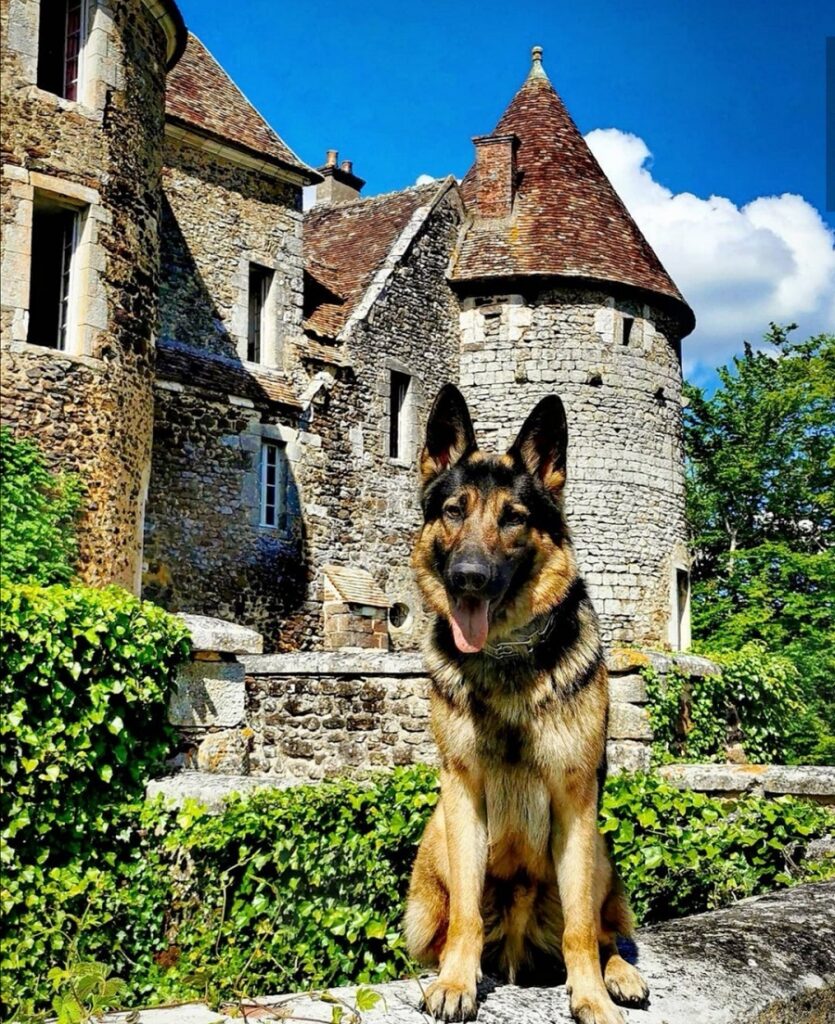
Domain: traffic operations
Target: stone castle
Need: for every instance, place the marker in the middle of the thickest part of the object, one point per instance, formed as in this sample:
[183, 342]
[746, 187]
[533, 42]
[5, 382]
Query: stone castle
[243, 385]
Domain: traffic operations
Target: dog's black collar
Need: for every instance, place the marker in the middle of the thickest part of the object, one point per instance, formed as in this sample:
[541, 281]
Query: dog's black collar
[522, 643]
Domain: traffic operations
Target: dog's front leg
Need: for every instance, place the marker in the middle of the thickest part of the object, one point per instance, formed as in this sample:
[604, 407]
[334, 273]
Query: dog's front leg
[453, 995]
[574, 849]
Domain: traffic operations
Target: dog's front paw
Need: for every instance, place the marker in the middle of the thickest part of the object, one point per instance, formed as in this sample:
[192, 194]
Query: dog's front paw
[449, 1000]
[624, 982]
[595, 1008]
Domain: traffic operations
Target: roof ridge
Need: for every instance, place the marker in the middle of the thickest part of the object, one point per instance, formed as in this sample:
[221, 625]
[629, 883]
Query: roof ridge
[326, 208]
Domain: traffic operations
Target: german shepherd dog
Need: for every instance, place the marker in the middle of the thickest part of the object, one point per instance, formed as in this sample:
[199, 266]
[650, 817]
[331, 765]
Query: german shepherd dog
[512, 873]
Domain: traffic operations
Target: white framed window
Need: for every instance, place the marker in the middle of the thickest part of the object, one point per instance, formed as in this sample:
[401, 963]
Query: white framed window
[398, 414]
[56, 232]
[273, 484]
[260, 283]
[62, 33]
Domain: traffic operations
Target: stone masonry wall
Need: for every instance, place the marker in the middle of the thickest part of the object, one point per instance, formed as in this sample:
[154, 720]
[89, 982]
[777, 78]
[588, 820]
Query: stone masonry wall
[217, 218]
[313, 715]
[91, 406]
[625, 491]
[205, 549]
[362, 508]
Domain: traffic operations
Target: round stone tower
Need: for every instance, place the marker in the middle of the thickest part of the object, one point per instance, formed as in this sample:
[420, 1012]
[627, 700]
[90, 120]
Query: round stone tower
[84, 103]
[560, 292]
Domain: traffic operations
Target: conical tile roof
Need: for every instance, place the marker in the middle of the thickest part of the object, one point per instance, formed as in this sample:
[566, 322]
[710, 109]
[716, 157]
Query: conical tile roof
[566, 220]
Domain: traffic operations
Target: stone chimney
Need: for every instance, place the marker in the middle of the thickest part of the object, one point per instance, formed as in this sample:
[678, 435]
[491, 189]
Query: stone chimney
[495, 174]
[341, 185]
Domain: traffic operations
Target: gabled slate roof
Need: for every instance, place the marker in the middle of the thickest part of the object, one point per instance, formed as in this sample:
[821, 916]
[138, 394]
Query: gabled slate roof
[201, 96]
[567, 219]
[347, 244]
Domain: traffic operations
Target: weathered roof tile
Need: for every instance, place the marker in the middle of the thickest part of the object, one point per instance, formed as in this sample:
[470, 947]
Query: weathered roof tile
[567, 219]
[202, 96]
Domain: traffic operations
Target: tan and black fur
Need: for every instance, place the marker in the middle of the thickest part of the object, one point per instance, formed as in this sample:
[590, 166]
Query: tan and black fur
[512, 874]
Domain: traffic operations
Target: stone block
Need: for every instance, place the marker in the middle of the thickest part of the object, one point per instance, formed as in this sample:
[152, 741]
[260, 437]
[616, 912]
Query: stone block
[629, 689]
[209, 693]
[627, 755]
[225, 753]
[801, 780]
[628, 722]
[210, 634]
[714, 778]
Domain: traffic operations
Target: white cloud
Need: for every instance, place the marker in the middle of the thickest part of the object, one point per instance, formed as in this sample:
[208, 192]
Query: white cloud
[739, 267]
[424, 179]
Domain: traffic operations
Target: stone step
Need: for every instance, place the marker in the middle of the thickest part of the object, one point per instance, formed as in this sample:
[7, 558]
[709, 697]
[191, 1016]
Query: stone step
[762, 958]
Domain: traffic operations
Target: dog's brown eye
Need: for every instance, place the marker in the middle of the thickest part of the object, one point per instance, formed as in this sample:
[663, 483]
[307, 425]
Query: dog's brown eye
[514, 517]
[453, 512]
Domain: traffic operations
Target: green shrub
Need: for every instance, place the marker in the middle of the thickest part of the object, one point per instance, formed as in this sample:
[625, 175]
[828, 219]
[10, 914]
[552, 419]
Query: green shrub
[756, 701]
[680, 852]
[304, 888]
[39, 511]
[86, 675]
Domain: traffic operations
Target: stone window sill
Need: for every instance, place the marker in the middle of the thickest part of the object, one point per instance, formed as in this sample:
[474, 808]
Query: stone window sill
[401, 463]
[47, 352]
[61, 103]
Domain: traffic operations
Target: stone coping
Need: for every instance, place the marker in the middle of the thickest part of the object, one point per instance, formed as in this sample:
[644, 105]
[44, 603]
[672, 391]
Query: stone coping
[763, 959]
[218, 635]
[816, 781]
[348, 661]
[361, 661]
[211, 788]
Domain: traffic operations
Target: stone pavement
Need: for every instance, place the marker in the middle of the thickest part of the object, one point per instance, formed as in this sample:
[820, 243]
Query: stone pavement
[766, 960]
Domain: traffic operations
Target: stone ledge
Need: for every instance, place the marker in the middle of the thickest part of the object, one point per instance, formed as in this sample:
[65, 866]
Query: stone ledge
[349, 661]
[210, 789]
[816, 781]
[622, 660]
[762, 960]
[208, 634]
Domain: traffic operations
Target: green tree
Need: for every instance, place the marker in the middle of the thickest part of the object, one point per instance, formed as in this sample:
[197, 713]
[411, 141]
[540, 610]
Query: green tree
[761, 451]
[761, 498]
[38, 513]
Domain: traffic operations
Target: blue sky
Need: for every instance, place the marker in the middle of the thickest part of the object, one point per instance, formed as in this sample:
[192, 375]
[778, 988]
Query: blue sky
[727, 99]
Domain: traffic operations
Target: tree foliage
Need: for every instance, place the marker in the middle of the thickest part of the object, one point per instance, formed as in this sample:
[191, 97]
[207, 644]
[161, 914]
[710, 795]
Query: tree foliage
[761, 501]
[39, 512]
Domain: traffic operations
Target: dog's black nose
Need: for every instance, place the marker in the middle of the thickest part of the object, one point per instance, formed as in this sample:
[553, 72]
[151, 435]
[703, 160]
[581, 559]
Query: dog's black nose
[469, 577]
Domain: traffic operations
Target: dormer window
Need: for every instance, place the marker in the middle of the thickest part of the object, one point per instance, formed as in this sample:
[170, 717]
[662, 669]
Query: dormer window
[61, 35]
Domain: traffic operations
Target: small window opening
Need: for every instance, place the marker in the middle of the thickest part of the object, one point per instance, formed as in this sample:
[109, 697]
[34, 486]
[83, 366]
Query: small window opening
[399, 614]
[55, 231]
[260, 279]
[682, 595]
[397, 415]
[628, 321]
[61, 34]
[273, 483]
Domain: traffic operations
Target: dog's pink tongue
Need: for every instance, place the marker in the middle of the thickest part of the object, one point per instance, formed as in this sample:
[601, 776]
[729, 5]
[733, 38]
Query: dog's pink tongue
[469, 624]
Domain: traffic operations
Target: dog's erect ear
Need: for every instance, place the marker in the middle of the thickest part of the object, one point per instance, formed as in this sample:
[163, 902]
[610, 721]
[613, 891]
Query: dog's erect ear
[449, 433]
[542, 443]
